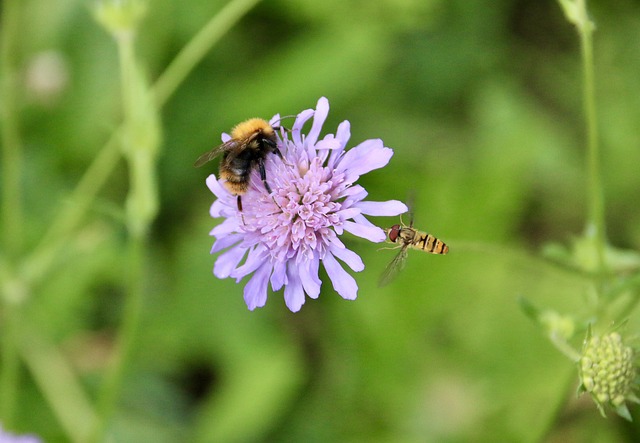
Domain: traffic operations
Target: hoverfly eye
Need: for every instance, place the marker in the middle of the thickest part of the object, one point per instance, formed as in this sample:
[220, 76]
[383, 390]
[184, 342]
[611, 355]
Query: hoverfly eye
[394, 232]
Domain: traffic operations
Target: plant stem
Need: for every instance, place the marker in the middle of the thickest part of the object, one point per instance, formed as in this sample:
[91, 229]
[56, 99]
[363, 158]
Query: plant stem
[58, 383]
[9, 378]
[595, 222]
[128, 331]
[138, 224]
[44, 255]
[198, 47]
[11, 223]
[11, 143]
[569, 392]
[41, 260]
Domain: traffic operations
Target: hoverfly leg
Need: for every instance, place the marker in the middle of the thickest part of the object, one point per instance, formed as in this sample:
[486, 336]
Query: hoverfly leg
[389, 247]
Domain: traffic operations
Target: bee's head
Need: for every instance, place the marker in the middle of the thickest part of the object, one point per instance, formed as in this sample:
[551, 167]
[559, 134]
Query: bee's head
[249, 127]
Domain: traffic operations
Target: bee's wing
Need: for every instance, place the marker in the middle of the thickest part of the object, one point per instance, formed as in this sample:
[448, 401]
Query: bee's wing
[393, 268]
[210, 155]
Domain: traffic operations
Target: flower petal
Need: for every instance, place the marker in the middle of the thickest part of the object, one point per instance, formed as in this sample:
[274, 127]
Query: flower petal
[371, 233]
[352, 259]
[343, 134]
[255, 258]
[363, 221]
[342, 282]
[224, 242]
[301, 119]
[255, 291]
[325, 146]
[218, 209]
[227, 262]
[367, 156]
[346, 214]
[388, 208]
[279, 275]
[309, 277]
[293, 292]
[354, 193]
[322, 109]
[275, 120]
[227, 227]
[214, 186]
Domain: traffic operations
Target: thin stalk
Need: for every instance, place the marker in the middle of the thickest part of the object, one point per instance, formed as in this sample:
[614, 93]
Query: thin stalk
[9, 378]
[111, 387]
[58, 383]
[198, 47]
[595, 221]
[12, 217]
[545, 433]
[41, 261]
[11, 142]
[44, 255]
[131, 319]
[94, 179]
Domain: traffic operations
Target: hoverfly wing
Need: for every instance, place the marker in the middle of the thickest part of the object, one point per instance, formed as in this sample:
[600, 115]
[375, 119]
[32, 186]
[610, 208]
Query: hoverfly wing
[411, 200]
[394, 267]
[210, 155]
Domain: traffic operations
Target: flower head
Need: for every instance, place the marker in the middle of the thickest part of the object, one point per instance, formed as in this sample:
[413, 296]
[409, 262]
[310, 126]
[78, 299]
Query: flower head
[281, 238]
[608, 372]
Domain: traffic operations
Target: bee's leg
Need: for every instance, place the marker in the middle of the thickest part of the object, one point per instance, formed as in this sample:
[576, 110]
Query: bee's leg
[239, 201]
[263, 175]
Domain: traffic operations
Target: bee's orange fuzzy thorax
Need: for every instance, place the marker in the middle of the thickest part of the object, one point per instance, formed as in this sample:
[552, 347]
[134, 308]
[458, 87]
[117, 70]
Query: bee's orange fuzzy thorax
[248, 127]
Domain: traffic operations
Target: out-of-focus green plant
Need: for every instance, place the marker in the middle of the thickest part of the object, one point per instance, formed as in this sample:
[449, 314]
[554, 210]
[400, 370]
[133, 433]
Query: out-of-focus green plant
[138, 142]
[607, 367]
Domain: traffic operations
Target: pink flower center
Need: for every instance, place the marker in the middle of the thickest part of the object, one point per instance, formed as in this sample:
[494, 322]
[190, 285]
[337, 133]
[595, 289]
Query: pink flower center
[295, 220]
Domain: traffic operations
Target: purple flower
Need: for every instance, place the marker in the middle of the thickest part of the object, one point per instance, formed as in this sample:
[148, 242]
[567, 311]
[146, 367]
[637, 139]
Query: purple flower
[283, 237]
[5, 437]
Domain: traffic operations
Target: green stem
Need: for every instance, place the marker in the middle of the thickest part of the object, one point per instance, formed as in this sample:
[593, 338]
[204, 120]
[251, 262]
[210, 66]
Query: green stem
[9, 377]
[58, 383]
[198, 47]
[520, 257]
[130, 324]
[546, 432]
[42, 259]
[111, 387]
[11, 223]
[44, 255]
[595, 221]
[11, 143]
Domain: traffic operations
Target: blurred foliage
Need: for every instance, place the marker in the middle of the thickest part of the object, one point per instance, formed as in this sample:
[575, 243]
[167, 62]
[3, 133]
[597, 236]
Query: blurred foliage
[481, 102]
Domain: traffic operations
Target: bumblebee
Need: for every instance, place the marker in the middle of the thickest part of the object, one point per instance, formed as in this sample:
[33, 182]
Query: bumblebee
[406, 237]
[247, 149]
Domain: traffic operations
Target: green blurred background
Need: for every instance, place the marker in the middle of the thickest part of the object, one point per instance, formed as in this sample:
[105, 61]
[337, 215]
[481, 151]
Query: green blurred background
[481, 102]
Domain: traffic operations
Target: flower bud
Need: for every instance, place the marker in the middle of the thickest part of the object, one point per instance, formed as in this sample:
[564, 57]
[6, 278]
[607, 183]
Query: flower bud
[608, 372]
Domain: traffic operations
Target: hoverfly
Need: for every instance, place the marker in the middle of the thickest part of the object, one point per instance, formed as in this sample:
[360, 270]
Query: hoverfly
[406, 237]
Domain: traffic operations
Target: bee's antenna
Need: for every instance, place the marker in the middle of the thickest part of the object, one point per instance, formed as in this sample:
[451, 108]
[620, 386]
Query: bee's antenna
[280, 119]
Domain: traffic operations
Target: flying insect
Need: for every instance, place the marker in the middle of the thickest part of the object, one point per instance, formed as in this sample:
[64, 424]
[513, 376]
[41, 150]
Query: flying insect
[406, 237]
